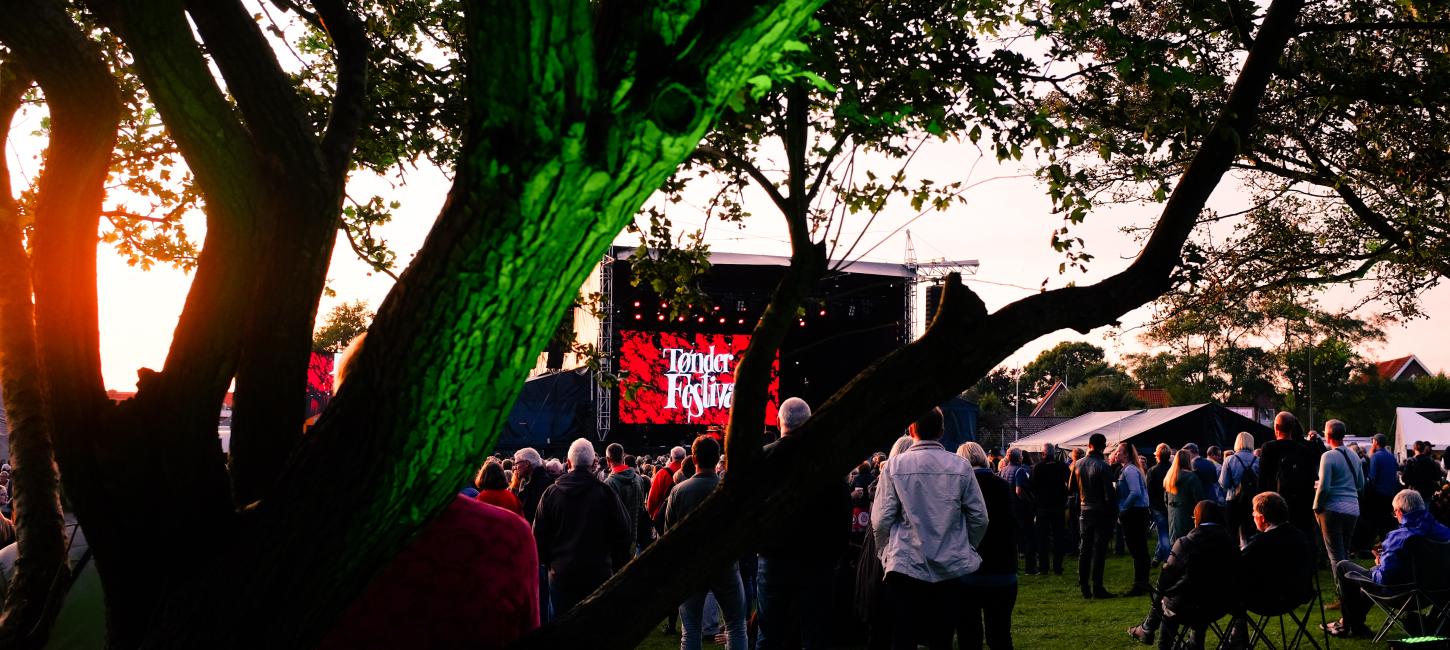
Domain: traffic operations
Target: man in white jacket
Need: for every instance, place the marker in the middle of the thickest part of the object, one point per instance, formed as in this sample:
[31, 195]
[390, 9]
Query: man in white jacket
[928, 518]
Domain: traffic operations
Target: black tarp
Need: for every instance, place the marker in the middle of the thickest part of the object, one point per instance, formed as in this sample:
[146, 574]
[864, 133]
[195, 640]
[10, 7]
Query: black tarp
[552, 410]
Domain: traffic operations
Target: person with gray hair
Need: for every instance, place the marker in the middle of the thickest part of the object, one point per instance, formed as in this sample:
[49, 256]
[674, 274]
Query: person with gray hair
[990, 593]
[1392, 563]
[792, 414]
[582, 533]
[796, 570]
[1336, 499]
[530, 479]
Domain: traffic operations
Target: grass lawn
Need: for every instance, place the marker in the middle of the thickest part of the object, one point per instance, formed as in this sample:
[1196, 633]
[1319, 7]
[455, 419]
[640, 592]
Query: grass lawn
[1051, 614]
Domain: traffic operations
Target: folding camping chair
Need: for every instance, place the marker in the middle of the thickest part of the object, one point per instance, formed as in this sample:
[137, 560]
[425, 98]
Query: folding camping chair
[1290, 635]
[1426, 599]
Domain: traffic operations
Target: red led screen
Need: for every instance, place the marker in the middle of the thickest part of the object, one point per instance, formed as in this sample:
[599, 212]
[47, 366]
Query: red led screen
[684, 378]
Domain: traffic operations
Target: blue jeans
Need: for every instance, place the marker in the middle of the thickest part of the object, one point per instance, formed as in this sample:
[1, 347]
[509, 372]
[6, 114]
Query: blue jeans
[730, 593]
[1160, 523]
[794, 595]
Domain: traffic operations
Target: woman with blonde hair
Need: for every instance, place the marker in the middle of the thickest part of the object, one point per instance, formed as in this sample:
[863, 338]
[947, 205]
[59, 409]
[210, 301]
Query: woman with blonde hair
[1181, 492]
[1238, 496]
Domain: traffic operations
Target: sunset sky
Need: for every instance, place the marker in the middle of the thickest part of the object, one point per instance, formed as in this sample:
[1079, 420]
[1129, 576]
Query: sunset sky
[1006, 224]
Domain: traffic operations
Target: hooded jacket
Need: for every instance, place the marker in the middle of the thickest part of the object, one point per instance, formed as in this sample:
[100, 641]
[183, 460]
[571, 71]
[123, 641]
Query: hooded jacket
[1394, 566]
[581, 531]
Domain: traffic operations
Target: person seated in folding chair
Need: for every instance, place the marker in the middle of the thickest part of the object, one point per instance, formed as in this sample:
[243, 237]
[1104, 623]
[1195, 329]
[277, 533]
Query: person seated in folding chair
[1276, 575]
[1392, 565]
[1192, 589]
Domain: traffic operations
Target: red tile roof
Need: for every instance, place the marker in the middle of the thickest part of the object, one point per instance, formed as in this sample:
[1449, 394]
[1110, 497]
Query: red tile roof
[1154, 397]
[1392, 369]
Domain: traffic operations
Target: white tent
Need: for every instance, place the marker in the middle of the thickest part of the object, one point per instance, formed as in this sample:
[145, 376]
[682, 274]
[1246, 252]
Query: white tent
[1412, 424]
[1204, 424]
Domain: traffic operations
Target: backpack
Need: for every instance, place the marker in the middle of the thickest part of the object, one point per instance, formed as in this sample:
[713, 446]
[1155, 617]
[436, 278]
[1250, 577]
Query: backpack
[1242, 495]
[1295, 477]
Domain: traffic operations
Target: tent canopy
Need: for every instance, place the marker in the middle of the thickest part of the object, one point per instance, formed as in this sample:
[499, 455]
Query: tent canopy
[1204, 424]
[552, 409]
[1412, 424]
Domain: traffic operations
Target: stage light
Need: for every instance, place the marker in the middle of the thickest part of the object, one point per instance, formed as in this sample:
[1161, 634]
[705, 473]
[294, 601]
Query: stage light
[823, 312]
[702, 319]
[636, 303]
[662, 316]
[682, 319]
[739, 305]
[851, 311]
[638, 317]
[722, 320]
[741, 321]
[803, 322]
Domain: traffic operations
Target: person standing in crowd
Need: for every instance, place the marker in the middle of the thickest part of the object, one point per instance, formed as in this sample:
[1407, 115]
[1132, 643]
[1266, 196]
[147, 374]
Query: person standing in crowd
[582, 533]
[1238, 480]
[1206, 472]
[1074, 505]
[530, 480]
[1181, 492]
[1192, 585]
[1392, 562]
[1336, 500]
[493, 490]
[1289, 467]
[1133, 514]
[1098, 501]
[625, 483]
[928, 519]
[873, 604]
[431, 594]
[725, 584]
[1049, 490]
[1384, 482]
[1422, 473]
[1157, 508]
[796, 570]
[659, 492]
[1023, 508]
[990, 593]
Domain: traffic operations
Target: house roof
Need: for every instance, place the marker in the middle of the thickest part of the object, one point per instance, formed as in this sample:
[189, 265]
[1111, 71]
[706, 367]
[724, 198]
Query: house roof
[1153, 397]
[1048, 405]
[1392, 369]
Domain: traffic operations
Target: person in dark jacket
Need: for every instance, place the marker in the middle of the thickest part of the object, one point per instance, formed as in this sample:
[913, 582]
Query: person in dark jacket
[1049, 489]
[581, 531]
[1099, 502]
[1277, 569]
[530, 480]
[797, 565]
[1157, 508]
[1422, 474]
[1192, 590]
[626, 485]
[1024, 508]
[990, 593]
[1289, 465]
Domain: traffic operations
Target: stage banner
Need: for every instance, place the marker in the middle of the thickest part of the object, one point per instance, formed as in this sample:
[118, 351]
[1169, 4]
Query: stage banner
[319, 383]
[684, 378]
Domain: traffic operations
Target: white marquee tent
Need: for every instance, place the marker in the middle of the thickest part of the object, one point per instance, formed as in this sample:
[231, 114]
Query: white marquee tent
[1412, 424]
[1204, 424]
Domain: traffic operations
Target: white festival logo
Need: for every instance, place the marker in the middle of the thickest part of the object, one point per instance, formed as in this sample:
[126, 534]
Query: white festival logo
[694, 383]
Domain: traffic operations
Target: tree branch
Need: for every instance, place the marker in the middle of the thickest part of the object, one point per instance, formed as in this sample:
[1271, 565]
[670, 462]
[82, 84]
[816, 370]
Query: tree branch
[349, 102]
[740, 163]
[1377, 26]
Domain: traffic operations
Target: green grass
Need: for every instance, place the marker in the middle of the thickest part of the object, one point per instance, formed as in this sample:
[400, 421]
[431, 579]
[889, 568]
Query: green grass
[1051, 614]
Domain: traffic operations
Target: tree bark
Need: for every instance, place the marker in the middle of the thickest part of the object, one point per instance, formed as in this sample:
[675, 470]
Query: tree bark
[962, 343]
[51, 350]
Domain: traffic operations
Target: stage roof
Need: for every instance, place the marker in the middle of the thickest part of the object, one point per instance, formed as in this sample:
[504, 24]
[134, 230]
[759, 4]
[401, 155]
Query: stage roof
[746, 259]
